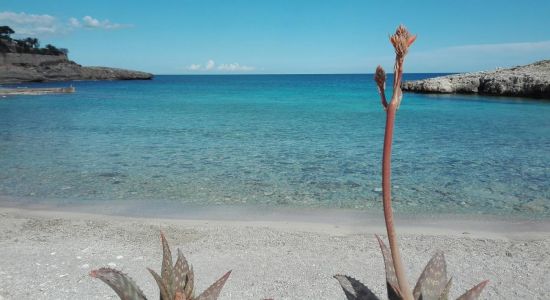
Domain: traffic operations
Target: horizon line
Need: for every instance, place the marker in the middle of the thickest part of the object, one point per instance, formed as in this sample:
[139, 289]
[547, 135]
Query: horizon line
[286, 74]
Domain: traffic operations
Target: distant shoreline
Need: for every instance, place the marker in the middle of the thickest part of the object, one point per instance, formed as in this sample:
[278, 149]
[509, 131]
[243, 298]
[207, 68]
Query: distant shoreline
[36, 91]
[532, 81]
[18, 68]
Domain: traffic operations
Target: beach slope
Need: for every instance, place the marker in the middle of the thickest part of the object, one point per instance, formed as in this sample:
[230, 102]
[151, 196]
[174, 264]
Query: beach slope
[48, 255]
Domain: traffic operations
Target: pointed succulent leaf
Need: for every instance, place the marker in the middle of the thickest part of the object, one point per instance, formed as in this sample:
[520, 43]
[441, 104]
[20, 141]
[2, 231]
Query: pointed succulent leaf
[391, 279]
[121, 283]
[181, 268]
[213, 291]
[445, 294]
[167, 271]
[433, 279]
[354, 289]
[162, 287]
[190, 283]
[474, 292]
[180, 296]
[393, 292]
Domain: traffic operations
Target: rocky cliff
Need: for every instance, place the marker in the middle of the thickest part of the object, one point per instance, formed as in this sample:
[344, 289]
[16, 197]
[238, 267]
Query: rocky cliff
[25, 67]
[523, 81]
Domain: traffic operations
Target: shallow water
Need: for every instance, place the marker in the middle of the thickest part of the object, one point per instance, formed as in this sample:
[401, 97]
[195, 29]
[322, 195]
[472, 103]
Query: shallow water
[282, 140]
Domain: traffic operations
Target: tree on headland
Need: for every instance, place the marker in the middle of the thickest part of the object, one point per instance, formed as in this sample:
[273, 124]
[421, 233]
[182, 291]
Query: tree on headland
[33, 43]
[5, 32]
[27, 45]
[53, 50]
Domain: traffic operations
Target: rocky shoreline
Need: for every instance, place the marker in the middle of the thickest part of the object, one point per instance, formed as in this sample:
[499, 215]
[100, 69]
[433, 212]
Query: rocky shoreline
[36, 91]
[531, 81]
[20, 68]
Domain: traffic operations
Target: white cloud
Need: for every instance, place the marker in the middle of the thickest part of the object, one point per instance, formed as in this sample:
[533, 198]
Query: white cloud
[30, 24]
[74, 22]
[235, 67]
[90, 22]
[33, 25]
[194, 67]
[210, 65]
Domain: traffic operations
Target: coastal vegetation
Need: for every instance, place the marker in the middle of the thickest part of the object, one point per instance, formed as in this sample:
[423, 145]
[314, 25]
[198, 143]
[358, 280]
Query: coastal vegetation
[433, 283]
[27, 45]
[176, 281]
[23, 60]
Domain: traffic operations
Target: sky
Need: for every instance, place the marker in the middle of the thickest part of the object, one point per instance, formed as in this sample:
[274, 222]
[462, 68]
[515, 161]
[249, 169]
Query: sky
[285, 36]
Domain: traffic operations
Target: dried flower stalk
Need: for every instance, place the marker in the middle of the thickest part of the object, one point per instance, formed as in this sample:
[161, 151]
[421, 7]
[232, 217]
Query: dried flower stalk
[432, 283]
[401, 42]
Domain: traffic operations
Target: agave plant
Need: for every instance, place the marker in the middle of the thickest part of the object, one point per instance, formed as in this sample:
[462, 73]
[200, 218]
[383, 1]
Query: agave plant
[433, 283]
[176, 281]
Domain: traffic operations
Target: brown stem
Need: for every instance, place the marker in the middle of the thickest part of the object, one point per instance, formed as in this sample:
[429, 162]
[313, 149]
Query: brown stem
[383, 98]
[388, 212]
[404, 287]
[401, 41]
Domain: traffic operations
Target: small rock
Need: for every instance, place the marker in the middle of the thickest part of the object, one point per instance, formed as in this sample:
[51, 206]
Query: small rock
[63, 275]
[120, 257]
[53, 253]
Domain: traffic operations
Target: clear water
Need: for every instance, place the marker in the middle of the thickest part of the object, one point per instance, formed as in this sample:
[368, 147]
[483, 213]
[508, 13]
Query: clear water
[286, 140]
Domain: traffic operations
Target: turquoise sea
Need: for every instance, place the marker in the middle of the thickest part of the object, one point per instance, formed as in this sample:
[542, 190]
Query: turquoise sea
[272, 141]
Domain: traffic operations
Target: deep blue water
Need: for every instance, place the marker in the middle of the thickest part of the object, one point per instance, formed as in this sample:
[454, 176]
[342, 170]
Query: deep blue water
[275, 140]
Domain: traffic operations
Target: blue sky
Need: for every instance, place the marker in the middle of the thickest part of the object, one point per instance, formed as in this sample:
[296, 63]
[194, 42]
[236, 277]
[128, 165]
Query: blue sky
[286, 36]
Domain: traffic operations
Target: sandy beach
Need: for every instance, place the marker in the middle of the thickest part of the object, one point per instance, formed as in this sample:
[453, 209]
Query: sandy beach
[48, 254]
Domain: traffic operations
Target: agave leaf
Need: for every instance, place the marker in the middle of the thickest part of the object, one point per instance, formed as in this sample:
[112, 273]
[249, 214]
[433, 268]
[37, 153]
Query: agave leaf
[189, 283]
[432, 281]
[445, 294]
[474, 292]
[393, 292]
[181, 268]
[121, 283]
[162, 287]
[212, 292]
[391, 279]
[180, 296]
[166, 271]
[354, 289]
